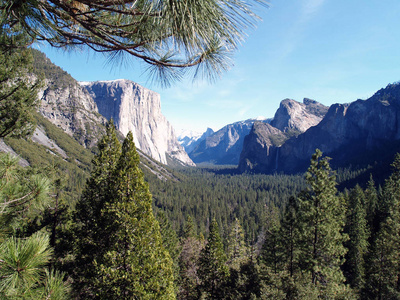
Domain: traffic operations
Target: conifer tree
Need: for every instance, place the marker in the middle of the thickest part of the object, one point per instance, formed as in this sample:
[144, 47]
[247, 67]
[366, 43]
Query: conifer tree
[371, 202]
[191, 247]
[24, 261]
[121, 255]
[91, 235]
[271, 251]
[213, 271]
[356, 227]
[322, 215]
[24, 273]
[238, 252]
[289, 234]
[384, 259]
[135, 265]
[18, 92]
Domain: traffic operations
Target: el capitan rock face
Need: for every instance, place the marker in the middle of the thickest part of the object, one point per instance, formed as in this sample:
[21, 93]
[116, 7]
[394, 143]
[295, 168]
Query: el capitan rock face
[137, 109]
[362, 132]
[82, 110]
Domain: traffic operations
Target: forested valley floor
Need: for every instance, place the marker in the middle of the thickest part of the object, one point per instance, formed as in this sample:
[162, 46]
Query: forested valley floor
[200, 233]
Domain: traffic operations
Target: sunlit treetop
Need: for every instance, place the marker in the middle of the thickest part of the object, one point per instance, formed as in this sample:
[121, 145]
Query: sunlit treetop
[171, 36]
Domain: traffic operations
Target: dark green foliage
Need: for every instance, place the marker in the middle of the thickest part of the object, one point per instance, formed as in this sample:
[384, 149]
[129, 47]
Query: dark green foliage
[322, 216]
[357, 245]
[18, 93]
[23, 272]
[119, 250]
[191, 247]
[290, 237]
[91, 234]
[24, 194]
[213, 271]
[384, 259]
[57, 78]
[170, 243]
[271, 251]
[238, 253]
[200, 191]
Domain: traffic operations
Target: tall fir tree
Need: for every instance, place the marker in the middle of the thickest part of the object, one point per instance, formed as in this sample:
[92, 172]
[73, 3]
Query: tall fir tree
[289, 234]
[122, 247]
[136, 264]
[213, 271]
[91, 236]
[322, 217]
[237, 250]
[357, 229]
[191, 247]
[271, 251]
[371, 199]
[384, 260]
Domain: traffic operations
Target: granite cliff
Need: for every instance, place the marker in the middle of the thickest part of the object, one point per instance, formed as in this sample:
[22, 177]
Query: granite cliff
[83, 110]
[137, 109]
[264, 140]
[360, 133]
[67, 105]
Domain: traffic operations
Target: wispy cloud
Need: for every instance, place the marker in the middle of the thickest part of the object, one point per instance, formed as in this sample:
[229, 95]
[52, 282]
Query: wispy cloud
[310, 8]
[294, 36]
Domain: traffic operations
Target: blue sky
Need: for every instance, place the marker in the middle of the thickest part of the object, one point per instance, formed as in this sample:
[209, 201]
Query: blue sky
[333, 51]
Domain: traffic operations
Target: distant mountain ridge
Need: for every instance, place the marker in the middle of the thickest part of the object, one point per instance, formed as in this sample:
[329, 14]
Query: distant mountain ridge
[291, 119]
[190, 140]
[360, 133]
[224, 146]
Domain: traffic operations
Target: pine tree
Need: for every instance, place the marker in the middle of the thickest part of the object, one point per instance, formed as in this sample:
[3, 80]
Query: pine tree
[384, 259]
[92, 237]
[371, 202]
[119, 250]
[271, 251]
[23, 272]
[213, 271]
[238, 252]
[170, 242]
[356, 227]
[18, 93]
[191, 247]
[322, 215]
[24, 261]
[136, 265]
[289, 234]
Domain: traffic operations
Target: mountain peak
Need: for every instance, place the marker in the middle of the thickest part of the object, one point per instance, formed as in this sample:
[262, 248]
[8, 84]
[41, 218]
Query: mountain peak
[295, 116]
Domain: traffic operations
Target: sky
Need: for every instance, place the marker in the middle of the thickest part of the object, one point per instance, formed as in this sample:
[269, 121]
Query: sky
[332, 51]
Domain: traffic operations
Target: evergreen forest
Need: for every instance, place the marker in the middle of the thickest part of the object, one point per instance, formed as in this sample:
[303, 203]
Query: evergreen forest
[198, 233]
[110, 223]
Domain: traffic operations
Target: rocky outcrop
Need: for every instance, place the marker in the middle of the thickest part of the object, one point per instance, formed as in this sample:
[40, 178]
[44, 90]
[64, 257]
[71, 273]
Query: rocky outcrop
[74, 110]
[224, 146]
[263, 141]
[66, 104]
[137, 109]
[298, 117]
[262, 146]
[81, 114]
[360, 133]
